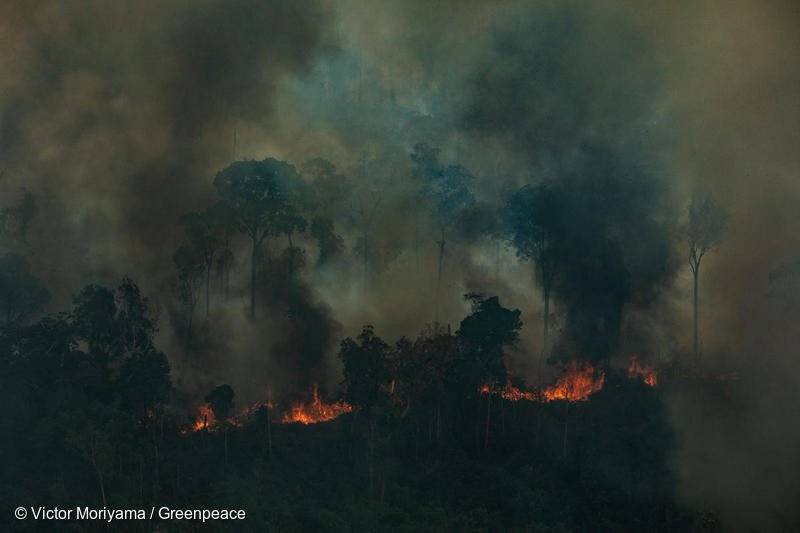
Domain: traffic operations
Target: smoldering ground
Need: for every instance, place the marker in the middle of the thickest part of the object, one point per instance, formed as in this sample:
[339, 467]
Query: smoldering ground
[119, 120]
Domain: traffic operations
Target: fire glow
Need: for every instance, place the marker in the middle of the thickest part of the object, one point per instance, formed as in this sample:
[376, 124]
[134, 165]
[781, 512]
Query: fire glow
[312, 412]
[205, 418]
[510, 393]
[576, 384]
[315, 411]
[637, 370]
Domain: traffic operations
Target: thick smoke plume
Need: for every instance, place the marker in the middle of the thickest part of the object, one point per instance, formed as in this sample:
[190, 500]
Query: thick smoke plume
[116, 116]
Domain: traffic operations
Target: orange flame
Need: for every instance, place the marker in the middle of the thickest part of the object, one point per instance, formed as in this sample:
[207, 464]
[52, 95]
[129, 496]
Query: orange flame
[576, 384]
[205, 419]
[644, 372]
[509, 392]
[315, 411]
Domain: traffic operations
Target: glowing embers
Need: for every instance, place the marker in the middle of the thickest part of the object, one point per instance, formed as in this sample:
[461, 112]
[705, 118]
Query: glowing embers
[576, 383]
[510, 393]
[638, 370]
[311, 412]
[315, 411]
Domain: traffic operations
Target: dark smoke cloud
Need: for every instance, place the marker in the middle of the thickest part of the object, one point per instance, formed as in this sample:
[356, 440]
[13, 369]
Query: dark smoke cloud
[117, 113]
[580, 103]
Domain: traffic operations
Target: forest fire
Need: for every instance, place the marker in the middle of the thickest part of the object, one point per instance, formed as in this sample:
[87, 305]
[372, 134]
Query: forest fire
[303, 413]
[509, 392]
[315, 411]
[205, 418]
[637, 370]
[576, 384]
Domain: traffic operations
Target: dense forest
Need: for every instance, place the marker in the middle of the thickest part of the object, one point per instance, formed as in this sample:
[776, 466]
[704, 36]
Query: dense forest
[399, 266]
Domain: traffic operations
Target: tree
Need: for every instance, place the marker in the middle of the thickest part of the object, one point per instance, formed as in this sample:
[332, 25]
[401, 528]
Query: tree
[190, 271]
[366, 373]
[220, 399]
[254, 190]
[21, 294]
[365, 368]
[485, 333]
[331, 244]
[144, 381]
[446, 187]
[703, 232]
[532, 217]
[205, 232]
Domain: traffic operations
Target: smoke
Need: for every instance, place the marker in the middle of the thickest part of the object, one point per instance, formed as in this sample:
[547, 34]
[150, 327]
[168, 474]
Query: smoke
[116, 115]
[577, 97]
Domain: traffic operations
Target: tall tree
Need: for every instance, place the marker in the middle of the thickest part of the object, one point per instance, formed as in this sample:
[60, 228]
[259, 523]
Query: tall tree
[447, 189]
[330, 243]
[484, 334]
[532, 217]
[254, 192]
[205, 230]
[704, 231]
[190, 272]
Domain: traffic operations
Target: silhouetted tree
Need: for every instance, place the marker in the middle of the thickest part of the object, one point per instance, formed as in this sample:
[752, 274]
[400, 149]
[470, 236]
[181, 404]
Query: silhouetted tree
[190, 273]
[255, 193]
[205, 232]
[485, 333]
[365, 368]
[447, 188]
[703, 232]
[220, 399]
[331, 245]
[532, 216]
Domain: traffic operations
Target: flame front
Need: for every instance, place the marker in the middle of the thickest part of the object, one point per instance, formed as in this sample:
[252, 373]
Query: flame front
[315, 411]
[576, 384]
[509, 392]
[644, 372]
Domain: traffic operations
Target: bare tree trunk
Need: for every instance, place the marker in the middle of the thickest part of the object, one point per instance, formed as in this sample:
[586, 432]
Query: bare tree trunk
[696, 272]
[253, 279]
[209, 264]
[439, 274]
[566, 429]
[225, 440]
[546, 289]
[366, 250]
[371, 458]
[269, 424]
[488, 420]
[291, 255]
[189, 327]
[93, 455]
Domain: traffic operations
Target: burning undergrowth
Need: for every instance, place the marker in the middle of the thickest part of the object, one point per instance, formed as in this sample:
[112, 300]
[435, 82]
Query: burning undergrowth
[577, 382]
[311, 410]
